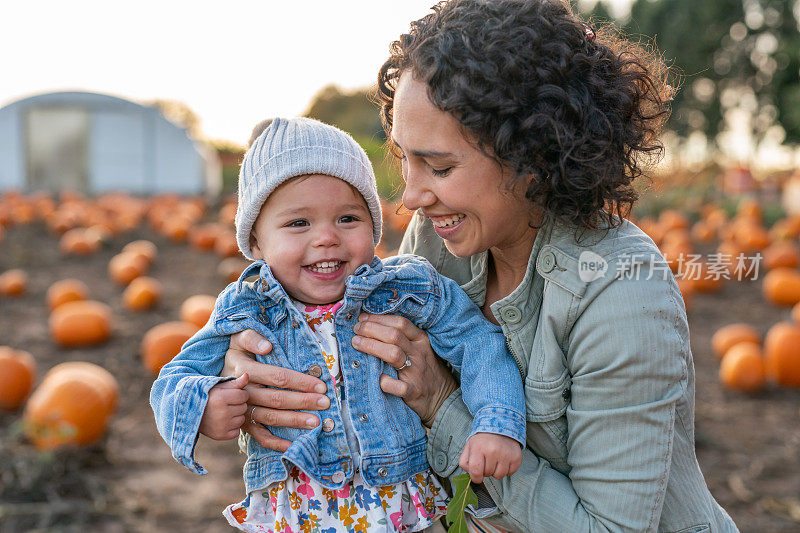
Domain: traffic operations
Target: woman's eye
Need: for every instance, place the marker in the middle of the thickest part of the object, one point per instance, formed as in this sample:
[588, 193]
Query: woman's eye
[297, 224]
[441, 172]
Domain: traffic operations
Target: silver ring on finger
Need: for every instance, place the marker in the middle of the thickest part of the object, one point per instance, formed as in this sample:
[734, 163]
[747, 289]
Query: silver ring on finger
[406, 364]
[252, 412]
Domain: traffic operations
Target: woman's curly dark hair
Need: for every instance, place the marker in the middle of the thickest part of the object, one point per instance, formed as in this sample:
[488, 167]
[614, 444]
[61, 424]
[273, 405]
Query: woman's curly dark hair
[577, 108]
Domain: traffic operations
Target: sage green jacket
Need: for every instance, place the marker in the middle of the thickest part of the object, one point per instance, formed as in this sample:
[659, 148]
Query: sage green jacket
[598, 329]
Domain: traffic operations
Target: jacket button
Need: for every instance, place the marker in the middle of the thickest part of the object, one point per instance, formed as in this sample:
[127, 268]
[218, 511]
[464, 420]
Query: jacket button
[440, 461]
[511, 314]
[337, 476]
[356, 364]
[363, 417]
[314, 370]
[383, 472]
[548, 262]
[349, 316]
[328, 424]
[263, 319]
[566, 394]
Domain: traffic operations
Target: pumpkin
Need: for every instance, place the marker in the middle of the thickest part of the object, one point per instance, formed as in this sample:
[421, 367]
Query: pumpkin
[142, 294]
[728, 336]
[176, 228]
[781, 254]
[13, 282]
[72, 406]
[231, 268]
[742, 368]
[703, 232]
[81, 323]
[671, 219]
[76, 241]
[197, 309]
[142, 247]
[204, 237]
[126, 267]
[782, 286]
[749, 208]
[704, 279]
[226, 244]
[686, 286]
[796, 313]
[163, 342]
[782, 354]
[227, 214]
[66, 290]
[17, 374]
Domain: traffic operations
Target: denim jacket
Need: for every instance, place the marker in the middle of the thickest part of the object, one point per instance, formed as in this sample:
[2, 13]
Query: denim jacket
[600, 327]
[390, 435]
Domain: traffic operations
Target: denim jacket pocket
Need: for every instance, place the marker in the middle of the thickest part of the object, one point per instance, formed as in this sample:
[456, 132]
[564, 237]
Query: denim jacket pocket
[388, 302]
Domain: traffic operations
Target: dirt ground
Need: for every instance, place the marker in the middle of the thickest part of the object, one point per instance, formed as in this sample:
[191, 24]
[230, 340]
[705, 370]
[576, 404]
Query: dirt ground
[747, 446]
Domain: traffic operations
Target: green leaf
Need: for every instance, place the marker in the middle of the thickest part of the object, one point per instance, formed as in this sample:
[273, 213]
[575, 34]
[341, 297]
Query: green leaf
[456, 523]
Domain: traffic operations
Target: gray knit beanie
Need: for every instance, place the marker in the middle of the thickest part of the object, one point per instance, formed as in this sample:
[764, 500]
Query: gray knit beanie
[295, 147]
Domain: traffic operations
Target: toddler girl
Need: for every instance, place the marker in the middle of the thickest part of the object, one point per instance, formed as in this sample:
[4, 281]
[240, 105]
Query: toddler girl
[310, 216]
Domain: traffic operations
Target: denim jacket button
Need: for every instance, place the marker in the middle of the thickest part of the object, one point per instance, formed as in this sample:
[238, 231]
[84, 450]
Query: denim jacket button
[355, 364]
[328, 424]
[511, 314]
[314, 370]
[383, 472]
[363, 417]
[349, 316]
[337, 477]
[440, 461]
[548, 262]
[566, 394]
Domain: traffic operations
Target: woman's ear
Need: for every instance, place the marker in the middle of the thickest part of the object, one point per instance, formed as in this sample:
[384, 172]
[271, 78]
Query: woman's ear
[255, 251]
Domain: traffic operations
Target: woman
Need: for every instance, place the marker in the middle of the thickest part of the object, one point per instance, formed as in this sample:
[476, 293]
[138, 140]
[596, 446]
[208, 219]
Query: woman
[520, 132]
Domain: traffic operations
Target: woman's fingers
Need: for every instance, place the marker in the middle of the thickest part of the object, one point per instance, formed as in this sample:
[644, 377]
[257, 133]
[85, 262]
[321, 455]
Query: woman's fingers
[281, 418]
[287, 399]
[266, 439]
[279, 377]
[250, 341]
[403, 324]
[392, 386]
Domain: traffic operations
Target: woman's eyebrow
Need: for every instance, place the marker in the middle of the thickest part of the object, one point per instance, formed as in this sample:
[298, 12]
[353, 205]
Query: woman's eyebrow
[424, 153]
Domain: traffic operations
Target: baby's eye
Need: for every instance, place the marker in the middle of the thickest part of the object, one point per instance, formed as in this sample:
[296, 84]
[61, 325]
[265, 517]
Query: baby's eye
[297, 223]
[348, 219]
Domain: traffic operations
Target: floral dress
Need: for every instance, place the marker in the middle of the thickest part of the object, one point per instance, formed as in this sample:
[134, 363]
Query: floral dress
[300, 504]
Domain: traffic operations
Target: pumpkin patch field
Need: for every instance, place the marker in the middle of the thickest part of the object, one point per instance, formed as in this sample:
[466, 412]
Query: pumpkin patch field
[94, 298]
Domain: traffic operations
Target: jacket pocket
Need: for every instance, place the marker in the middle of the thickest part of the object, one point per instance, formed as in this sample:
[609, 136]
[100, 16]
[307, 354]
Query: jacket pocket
[545, 405]
[392, 301]
[702, 528]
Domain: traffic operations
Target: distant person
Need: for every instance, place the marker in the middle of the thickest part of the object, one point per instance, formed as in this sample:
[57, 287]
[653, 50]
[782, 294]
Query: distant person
[520, 130]
[309, 214]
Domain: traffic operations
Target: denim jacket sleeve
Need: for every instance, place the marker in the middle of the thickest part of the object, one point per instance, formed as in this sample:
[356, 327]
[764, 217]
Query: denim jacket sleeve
[490, 380]
[626, 382]
[180, 392]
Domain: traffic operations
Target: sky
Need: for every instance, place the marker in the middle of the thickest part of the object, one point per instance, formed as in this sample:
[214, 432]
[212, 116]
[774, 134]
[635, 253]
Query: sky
[234, 63]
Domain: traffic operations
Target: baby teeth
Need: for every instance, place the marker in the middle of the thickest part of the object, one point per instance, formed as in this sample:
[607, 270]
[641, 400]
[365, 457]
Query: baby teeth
[448, 222]
[325, 267]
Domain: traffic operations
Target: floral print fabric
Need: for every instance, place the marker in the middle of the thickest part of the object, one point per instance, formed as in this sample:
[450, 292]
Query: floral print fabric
[301, 505]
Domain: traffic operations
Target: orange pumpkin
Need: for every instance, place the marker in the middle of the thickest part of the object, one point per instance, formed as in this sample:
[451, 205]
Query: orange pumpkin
[197, 309]
[163, 342]
[72, 406]
[204, 237]
[142, 294]
[703, 232]
[142, 247]
[672, 219]
[742, 368]
[76, 241]
[782, 354]
[686, 286]
[226, 244]
[66, 290]
[126, 267]
[781, 254]
[796, 313]
[17, 374]
[732, 334]
[231, 268]
[176, 228]
[782, 286]
[82, 323]
[13, 282]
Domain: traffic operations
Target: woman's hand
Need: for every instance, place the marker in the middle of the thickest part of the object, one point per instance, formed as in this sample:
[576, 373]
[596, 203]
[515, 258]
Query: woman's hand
[426, 383]
[275, 393]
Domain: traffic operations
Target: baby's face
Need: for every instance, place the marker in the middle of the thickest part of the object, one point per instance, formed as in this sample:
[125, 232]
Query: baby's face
[314, 231]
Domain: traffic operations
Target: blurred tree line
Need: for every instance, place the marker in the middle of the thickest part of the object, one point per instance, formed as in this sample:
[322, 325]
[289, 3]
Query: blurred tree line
[731, 54]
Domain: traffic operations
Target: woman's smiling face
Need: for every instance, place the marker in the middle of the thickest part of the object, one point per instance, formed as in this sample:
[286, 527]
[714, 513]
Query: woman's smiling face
[472, 201]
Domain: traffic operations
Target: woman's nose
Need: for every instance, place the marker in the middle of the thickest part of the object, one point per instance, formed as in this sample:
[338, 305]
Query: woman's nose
[416, 194]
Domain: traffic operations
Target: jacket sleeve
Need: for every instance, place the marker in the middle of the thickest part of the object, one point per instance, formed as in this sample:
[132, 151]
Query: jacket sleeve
[180, 392]
[490, 379]
[627, 355]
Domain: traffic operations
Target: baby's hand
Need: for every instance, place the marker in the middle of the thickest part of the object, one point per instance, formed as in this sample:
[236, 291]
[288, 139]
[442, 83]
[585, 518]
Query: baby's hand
[488, 454]
[225, 410]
